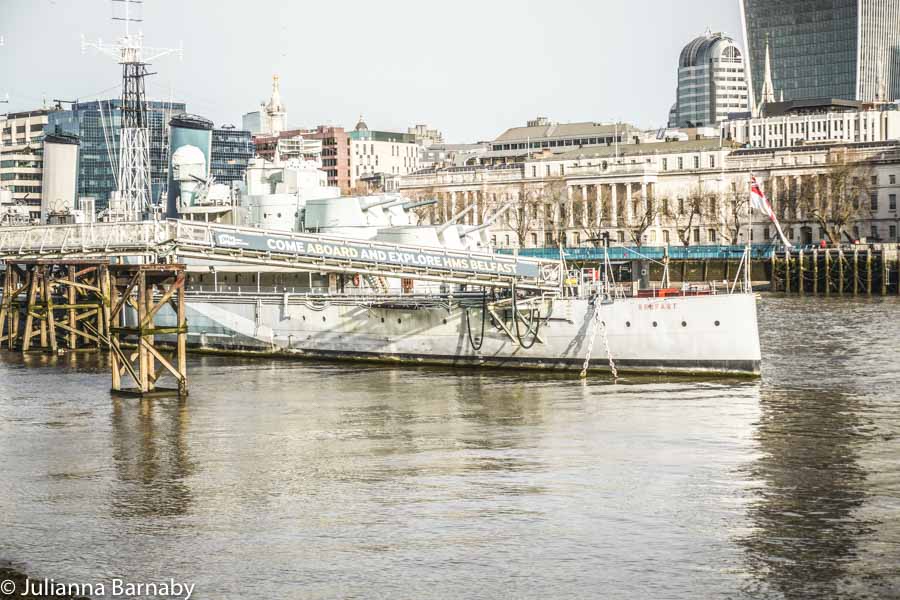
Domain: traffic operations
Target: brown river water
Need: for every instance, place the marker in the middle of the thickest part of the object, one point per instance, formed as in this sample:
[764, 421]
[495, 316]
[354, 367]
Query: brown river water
[280, 479]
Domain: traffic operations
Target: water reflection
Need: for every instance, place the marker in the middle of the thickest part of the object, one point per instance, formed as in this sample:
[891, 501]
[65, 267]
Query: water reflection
[150, 457]
[812, 480]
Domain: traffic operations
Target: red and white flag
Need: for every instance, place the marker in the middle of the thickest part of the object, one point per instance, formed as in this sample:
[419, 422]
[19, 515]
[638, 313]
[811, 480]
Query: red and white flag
[758, 201]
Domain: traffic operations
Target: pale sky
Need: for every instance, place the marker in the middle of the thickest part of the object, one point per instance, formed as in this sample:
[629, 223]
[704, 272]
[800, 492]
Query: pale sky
[468, 68]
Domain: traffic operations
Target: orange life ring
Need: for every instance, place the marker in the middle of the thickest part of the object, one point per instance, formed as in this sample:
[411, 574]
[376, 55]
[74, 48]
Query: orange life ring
[356, 279]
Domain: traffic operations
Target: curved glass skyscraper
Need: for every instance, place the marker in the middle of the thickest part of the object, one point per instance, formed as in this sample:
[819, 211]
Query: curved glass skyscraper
[846, 49]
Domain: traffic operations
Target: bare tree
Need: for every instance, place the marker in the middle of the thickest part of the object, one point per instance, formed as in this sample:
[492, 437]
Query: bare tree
[642, 220]
[838, 198]
[687, 212]
[553, 196]
[523, 217]
[736, 216]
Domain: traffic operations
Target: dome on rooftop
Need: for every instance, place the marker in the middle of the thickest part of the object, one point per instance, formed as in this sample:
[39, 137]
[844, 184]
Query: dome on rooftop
[361, 125]
[708, 47]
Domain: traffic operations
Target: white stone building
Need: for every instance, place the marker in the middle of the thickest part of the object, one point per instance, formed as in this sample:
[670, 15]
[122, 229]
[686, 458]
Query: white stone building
[799, 122]
[687, 192]
[21, 156]
[381, 152]
[271, 118]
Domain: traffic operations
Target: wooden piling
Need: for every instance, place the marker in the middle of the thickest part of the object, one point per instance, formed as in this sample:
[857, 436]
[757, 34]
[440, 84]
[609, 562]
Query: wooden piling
[855, 271]
[815, 267]
[868, 271]
[773, 280]
[136, 285]
[827, 272]
[840, 272]
[885, 273]
[787, 271]
[801, 285]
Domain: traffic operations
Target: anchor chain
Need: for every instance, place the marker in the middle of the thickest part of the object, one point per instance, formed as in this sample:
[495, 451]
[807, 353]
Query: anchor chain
[597, 323]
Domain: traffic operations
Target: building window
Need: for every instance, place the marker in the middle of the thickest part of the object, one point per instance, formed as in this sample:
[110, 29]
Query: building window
[534, 240]
[620, 237]
[874, 179]
[873, 201]
[767, 235]
[892, 201]
[893, 179]
[696, 162]
[696, 235]
[712, 161]
[874, 232]
[680, 162]
[893, 232]
[665, 236]
[665, 164]
[711, 236]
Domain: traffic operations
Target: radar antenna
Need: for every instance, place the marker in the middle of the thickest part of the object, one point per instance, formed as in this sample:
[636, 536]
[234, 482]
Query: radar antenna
[134, 196]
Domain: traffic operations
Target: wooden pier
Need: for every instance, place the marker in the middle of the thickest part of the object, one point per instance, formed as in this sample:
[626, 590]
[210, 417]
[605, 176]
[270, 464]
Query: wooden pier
[59, 305]
[846, 271]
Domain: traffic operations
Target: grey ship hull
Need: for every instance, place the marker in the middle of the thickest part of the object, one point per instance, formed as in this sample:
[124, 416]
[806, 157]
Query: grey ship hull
[714, 334]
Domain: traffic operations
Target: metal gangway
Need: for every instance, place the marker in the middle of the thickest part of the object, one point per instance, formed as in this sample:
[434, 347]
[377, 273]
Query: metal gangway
[191, 241]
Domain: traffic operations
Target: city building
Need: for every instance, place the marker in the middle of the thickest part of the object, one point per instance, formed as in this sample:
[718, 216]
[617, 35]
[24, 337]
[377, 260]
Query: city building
[693, 192]
[518, 143]
[452, 155]
[294, 143]
[21, 156]
[271, 118]
[711, 82]
[231, 152]
[384, 152]
[335, 154]
[98, 124]
[426, 137]
[847, 49]
[799, 122]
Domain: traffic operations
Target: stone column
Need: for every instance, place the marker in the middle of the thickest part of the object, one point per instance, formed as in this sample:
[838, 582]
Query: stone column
[584, 206]
[476, 214]
[599, 214]
[629, 205]
[614, 205]
[570, 208]
[798, 189]
[452, 205]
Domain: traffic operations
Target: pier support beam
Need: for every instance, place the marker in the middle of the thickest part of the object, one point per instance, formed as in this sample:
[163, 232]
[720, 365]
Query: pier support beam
[137, 285]
[62, 305]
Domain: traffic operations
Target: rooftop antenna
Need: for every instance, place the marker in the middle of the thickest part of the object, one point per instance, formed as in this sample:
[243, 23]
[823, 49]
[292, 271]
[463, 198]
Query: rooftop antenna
[133, 197]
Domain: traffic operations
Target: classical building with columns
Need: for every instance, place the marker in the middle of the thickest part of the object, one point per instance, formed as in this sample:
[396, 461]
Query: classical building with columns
[685, 192]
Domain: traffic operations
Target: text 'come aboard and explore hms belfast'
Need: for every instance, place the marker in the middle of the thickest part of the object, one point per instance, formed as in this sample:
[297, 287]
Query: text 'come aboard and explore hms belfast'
[369, 254]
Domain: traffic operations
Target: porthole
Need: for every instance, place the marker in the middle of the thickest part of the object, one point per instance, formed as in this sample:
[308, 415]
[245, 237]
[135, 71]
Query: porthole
[382, 319]
[323, 319]
[627, 323]
[655, 323]
[717, 323]
[399, 321]
[304, 317]
[445, 321]
[684, 323]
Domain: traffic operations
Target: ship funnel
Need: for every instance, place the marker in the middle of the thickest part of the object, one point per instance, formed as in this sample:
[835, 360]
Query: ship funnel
[187, 131]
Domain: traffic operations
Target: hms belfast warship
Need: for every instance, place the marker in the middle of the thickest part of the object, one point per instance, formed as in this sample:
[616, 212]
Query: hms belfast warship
[283, 265]
[389, 289]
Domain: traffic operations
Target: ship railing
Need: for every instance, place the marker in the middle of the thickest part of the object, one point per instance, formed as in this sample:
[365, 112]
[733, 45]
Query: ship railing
[84, 238]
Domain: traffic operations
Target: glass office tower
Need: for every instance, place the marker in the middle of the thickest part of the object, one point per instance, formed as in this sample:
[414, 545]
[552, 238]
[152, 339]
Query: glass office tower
[232, 150]
[98, 124]
[846, 49]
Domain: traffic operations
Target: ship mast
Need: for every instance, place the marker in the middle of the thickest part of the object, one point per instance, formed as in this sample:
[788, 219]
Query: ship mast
[134, 196]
